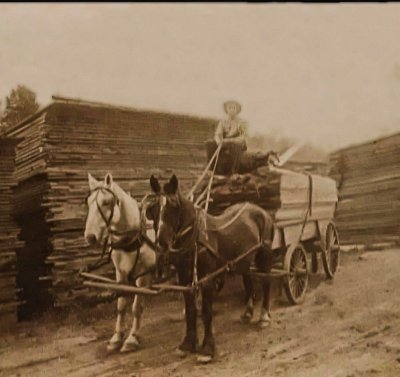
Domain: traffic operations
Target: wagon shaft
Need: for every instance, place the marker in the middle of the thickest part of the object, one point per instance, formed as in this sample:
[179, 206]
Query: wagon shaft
[171, 287]
[122, 288]
[274, 274]
[97, 277]
[228, 266]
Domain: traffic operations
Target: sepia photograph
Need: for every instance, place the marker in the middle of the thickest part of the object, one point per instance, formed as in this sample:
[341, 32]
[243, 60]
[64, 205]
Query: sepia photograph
[200, 189]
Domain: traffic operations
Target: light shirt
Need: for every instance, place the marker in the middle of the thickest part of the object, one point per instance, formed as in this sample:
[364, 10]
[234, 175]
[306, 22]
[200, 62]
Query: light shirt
[229, 128]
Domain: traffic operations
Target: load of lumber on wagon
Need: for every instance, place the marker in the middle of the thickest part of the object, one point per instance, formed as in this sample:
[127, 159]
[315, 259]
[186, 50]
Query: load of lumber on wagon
[287, 195]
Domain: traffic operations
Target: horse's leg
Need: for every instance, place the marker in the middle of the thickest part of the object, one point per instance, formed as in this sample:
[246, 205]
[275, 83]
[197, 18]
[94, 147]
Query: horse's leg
[207, 350]
[132, 342]
[198, 306]
[249, 299]
[116, 340]
[265, 265]
[189, 343]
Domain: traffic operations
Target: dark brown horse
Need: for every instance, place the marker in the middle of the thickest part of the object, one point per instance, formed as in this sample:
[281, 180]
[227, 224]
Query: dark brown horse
[185, 232]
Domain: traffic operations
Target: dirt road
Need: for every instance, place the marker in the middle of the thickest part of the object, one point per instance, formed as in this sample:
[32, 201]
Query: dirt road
[348, 328]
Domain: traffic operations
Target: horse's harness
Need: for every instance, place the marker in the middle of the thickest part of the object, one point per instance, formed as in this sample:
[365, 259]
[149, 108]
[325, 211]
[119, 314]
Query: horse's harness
[193, 242]
[185, 245]
[132, 240]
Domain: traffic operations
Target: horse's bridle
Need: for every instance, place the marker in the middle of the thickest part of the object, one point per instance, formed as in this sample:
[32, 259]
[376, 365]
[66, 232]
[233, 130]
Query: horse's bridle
[115, 202]
[135, 242]
[179, 232]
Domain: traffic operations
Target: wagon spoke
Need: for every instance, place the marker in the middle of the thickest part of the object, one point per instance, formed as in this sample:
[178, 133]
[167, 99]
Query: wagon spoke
[296, 293]
[301, 285]
[293, 262]
[294, 287]
[291, 282]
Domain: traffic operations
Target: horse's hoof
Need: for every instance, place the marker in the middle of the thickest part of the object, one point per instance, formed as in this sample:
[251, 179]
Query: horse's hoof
[130, 346]
[115, 342]
[181, 353]
[204, 359]
[265, 319]
[114, 346]
[245, 319]
[264, 324]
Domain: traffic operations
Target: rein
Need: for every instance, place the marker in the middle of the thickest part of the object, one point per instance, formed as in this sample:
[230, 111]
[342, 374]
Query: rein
[180, 233]
[99, 263]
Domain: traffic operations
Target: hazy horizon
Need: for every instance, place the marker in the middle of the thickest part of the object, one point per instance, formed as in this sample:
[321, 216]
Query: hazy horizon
[327, 74]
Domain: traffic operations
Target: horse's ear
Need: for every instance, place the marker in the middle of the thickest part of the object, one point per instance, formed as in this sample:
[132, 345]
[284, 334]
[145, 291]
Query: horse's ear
[155, 185]
[108, 180]
[172, 186]
[174, 183]
[93, 183]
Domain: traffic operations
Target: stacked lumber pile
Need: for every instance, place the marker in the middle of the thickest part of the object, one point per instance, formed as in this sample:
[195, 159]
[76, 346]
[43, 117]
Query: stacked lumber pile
[67, 140]
[283, 193]
[9, 242]
[30, 176]
[368, 177]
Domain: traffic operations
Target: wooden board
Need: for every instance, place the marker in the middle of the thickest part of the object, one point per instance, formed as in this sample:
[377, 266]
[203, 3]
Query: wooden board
[368, 177]
[9, 242]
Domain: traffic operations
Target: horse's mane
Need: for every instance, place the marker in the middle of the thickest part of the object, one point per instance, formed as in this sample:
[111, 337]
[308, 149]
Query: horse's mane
[126, 200]
[187, 205]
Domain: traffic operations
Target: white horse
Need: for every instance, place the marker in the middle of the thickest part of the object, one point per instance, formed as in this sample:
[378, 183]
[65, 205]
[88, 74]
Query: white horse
[114, 217]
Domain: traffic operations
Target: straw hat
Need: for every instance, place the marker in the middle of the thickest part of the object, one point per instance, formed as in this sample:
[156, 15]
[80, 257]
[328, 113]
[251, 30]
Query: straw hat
[231, 102]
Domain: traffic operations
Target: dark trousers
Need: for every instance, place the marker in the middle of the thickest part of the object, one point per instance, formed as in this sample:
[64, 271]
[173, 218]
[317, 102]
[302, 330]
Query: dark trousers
[229, 156]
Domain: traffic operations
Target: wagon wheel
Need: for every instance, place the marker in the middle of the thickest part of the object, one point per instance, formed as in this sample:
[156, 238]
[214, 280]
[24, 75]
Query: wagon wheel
[331, 251]
[296, 281]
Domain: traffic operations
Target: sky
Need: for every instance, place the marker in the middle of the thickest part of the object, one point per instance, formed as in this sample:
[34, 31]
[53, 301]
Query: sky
[327, 74]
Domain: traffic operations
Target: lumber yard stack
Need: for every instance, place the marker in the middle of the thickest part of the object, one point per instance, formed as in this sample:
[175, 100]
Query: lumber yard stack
[65, 141]
[9, 243]
[368, 177]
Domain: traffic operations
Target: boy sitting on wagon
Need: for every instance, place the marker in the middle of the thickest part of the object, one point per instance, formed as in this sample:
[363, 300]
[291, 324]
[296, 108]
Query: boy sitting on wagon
[231, 133]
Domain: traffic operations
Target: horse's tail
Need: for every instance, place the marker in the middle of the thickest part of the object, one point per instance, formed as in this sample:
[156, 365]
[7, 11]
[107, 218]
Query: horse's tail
[267, 230]
[266, 235]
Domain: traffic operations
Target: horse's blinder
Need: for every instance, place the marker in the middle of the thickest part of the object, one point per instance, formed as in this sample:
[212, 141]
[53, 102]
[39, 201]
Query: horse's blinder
[179, 233]
[114, 202]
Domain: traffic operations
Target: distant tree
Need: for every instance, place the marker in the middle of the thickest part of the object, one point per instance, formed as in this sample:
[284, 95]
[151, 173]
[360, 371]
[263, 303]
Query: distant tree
[19, 104]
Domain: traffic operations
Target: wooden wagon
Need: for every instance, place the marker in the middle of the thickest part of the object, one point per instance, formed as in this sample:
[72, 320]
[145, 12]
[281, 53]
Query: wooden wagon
[303, 208]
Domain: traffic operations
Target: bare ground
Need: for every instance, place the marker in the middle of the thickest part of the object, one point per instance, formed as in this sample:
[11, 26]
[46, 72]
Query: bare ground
[346, 328]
